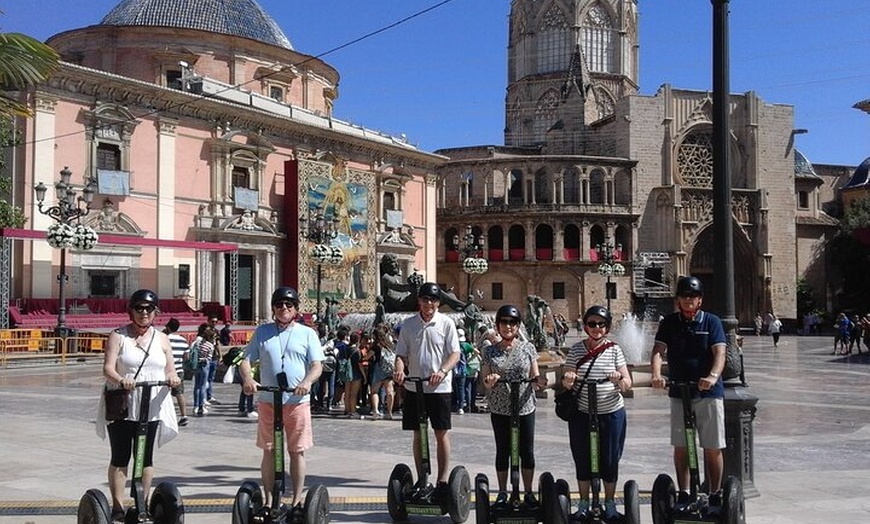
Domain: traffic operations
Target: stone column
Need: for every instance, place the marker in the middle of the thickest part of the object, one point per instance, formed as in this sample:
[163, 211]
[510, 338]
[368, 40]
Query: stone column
[740, 438]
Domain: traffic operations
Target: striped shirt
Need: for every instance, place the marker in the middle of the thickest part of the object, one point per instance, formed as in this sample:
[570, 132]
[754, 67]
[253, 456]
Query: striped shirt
[179, 346]
[609, 397]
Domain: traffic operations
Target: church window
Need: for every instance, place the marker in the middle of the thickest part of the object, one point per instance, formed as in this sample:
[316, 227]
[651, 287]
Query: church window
[803, 200]
[695, 160]
[599, 40]
[545, 114]
[554, 42]
[108, 156]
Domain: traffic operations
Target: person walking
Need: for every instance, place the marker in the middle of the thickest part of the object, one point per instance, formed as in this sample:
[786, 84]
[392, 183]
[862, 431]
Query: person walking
[428, 347]
[512, 359]
[137, 352]
[694, 342]
[775, 330]
[179, 348]
[289, 353]
[597, 358]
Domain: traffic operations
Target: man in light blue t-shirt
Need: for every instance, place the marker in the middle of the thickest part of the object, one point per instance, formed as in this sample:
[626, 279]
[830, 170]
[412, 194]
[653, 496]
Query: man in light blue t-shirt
[289, 352]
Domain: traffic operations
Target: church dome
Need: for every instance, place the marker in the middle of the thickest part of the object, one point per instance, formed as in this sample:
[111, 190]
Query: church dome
[244, 18]
[861, 176]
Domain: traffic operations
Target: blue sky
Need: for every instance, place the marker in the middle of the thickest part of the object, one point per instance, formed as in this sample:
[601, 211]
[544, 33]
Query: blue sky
[440, 77]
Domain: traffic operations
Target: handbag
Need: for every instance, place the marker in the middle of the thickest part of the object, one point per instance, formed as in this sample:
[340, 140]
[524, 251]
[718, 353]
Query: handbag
[117, 401]
[566, 401]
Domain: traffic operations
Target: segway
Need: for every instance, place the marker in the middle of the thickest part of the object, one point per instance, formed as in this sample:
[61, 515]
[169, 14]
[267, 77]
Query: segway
[665, 509]
[165, 506]
[554, 506]
[248, 507]
[405, 497]
[631, 493]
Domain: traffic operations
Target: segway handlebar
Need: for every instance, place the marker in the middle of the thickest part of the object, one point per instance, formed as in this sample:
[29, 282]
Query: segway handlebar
[151, 383]
[273, 389]
[593, 380]
[416, 380]
[509, 381]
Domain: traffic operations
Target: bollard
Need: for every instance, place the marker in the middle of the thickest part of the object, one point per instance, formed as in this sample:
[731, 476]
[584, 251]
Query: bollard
[739, 437]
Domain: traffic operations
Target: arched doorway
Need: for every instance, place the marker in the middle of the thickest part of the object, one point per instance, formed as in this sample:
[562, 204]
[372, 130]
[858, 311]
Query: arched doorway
[746, 284]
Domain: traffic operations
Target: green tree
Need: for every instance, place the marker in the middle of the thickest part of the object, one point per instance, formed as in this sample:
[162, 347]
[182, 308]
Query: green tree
[24, 62]
[849, 252]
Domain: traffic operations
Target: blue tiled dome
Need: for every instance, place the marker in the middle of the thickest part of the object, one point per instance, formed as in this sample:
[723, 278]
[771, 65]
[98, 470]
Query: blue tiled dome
[243, 18]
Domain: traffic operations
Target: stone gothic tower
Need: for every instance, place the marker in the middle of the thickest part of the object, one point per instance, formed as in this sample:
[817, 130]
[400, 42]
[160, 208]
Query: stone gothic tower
[568, 62]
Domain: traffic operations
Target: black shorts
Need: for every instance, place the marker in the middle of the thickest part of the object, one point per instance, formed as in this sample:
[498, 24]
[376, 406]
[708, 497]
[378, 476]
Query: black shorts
[437, 406]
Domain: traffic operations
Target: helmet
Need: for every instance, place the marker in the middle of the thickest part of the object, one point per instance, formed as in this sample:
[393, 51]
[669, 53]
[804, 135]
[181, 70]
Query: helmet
[598, 311]
[689, 286]
[430, 289]
[143, 296]
[508, 311]
[283, 294]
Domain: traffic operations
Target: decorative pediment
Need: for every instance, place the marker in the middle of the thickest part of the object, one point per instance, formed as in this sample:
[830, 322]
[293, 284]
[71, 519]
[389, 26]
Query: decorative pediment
[701, 114]
[248, 222]
[108, 220]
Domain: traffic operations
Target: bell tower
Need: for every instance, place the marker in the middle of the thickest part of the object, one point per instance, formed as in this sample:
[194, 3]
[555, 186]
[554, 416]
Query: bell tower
[569, 61]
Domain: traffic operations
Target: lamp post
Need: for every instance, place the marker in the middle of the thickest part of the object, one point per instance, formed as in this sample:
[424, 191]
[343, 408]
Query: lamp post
[318, 229]
[610, 267]
[471, 255]
[63, 234]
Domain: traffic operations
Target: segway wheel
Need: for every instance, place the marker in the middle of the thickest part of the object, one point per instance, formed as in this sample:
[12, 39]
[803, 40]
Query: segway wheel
[481, 499]
[166, 506]
[547, 494]
[400, 485]
[248, 502]
[316, 506]
[459, 504]
[631, 500]
[733, 509]
[664, 499]
[94, 508]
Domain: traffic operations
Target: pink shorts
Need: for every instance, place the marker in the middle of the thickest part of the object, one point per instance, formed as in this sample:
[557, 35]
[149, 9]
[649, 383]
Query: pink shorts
[297, 427]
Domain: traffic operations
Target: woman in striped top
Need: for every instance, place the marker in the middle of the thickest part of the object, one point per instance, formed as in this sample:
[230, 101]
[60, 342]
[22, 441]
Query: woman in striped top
[610, 364]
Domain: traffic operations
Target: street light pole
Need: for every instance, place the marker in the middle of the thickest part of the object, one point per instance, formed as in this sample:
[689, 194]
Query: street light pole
[62, 235]
[610, 266]
[471, 255]
[316, 228]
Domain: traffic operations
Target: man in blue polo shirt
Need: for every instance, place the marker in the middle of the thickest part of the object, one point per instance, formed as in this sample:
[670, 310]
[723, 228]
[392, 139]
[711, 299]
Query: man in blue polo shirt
[694, 341]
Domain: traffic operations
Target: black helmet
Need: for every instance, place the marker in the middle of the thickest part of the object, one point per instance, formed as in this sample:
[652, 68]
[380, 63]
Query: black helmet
[508, 311]
[689, 287]
[143, 296]
[598, 311]
[430, 289]
[285, 294]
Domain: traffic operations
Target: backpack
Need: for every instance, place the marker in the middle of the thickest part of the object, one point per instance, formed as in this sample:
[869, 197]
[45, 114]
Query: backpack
[345, 370]
[192, 362]
[328, 359]
[388, 361]
[460, 368]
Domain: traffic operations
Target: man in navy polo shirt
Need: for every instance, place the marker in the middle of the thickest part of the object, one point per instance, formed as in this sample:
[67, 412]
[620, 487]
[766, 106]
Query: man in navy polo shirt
[694, 341]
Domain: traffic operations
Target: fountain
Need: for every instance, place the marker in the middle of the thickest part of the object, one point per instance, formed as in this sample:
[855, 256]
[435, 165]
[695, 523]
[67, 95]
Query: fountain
[636, 338]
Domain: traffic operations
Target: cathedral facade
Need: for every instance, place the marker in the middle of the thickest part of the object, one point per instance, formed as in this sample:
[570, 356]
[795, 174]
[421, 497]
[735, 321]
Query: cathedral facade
[593, 172]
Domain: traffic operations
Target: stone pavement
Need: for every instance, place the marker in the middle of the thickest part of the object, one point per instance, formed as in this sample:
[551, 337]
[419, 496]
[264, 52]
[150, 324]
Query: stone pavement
[812, 436]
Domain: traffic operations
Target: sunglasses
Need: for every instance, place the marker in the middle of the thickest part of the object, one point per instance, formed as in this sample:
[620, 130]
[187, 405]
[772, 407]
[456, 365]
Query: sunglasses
[284, 305]
[509, 322]
[594, 324]
[142, 308]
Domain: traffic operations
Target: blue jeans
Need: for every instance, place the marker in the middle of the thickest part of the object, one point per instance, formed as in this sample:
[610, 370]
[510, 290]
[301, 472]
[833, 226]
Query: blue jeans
[459, 392]
[212, 369]
[200, 386]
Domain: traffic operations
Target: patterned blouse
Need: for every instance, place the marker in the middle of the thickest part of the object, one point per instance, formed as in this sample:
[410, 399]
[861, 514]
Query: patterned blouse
[513, 364]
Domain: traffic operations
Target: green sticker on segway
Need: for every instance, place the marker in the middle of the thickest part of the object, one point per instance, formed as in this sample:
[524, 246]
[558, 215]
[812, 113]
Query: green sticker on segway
[423, 510]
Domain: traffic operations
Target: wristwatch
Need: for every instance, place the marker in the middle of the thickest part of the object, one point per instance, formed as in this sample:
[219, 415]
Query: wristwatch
[714, 375]
[443, 371]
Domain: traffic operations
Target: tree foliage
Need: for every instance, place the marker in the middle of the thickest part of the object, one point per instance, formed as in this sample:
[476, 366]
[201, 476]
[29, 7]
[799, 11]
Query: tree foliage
[24, 62]
[10, 216]
[849, 253]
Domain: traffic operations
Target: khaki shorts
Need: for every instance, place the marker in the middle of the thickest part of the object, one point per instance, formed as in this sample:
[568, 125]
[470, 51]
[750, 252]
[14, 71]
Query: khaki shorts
[297, 427]
[709, 418]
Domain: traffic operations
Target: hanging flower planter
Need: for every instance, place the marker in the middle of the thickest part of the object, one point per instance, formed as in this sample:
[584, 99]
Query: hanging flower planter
[85, 237]
[60, 236]
[321, 253]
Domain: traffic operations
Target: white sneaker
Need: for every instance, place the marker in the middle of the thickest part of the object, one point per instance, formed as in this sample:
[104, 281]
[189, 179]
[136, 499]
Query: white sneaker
[460, 412]
[253, 414]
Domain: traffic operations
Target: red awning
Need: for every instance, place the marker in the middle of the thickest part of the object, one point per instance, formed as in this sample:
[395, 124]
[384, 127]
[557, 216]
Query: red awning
[125, 240]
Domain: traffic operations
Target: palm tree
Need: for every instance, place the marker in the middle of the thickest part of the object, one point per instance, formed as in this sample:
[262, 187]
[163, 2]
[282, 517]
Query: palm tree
[24, 61]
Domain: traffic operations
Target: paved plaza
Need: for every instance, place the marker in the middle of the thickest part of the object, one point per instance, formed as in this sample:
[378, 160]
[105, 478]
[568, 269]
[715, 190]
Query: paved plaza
[812, 436]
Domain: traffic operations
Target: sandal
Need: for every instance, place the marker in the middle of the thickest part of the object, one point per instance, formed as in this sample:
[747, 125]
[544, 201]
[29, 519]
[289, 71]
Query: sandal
[118, 514]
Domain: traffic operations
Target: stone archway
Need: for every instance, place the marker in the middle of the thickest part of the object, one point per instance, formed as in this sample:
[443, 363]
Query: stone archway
[747, 297]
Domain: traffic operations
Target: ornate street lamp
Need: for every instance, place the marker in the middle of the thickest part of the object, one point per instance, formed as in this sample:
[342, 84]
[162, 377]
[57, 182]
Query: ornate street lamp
[471, 255]
[318, 229]
[67, 232]
[610, 267]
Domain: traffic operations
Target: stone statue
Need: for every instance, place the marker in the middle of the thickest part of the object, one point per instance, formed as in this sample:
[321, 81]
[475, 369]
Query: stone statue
[330, 315]
[536, 307]
[401, 295]
[380, 311]
[473, 318]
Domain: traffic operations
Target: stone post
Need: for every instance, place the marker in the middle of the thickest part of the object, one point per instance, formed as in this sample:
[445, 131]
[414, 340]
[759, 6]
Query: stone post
[739, 437]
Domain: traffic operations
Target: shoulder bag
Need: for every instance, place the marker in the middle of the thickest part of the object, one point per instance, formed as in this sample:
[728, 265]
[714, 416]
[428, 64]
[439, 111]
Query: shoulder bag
[566, 400]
